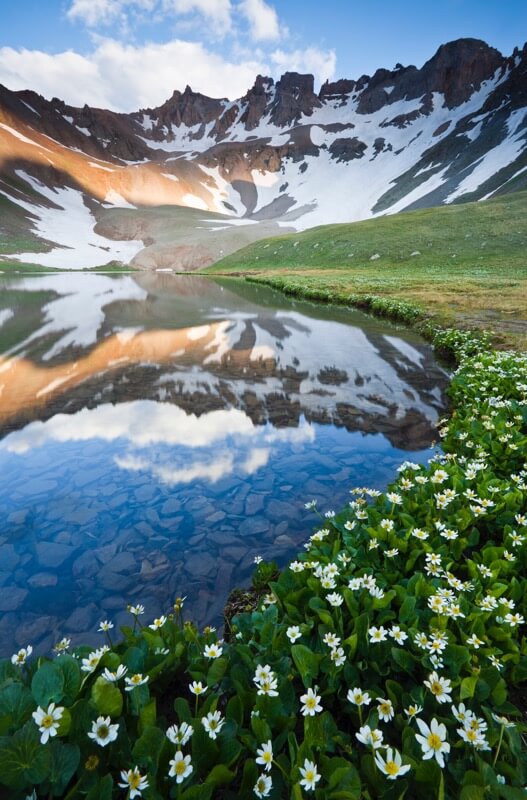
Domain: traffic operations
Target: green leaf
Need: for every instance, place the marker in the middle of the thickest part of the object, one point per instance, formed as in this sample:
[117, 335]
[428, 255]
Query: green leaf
[107, 698]
[468, 687]
[203, 792]
[134, 659]
[64, 761]
[147, 715]
[217, 671]
[407, 610]
[509, 792]
[472, 793]
[148, 747]
[220, 775]
[102, 789]
[47, 685]
[250, 776]
[499, 693]
[24, 762]
[306, 662]
[261, 729]
[70, 669]
[16, 704]
[229, 746]
[404, 659]
[64, 723]
[344, 780]
[234, 710]
[182, 709]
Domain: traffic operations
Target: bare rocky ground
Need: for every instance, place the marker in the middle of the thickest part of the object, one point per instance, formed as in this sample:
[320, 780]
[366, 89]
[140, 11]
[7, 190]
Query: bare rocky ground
[183, 239]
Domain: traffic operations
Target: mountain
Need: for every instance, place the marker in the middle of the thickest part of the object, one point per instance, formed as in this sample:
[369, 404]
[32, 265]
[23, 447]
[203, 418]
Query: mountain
[283, 156]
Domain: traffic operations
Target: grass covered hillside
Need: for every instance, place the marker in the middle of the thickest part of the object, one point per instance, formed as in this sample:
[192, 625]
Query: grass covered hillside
[466, 264]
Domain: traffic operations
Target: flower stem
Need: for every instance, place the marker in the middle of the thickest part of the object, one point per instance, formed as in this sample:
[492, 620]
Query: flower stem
[282, 770]
[72, 792]
[499, 746]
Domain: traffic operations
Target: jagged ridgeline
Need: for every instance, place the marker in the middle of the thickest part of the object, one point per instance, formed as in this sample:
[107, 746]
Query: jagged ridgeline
[283, 155]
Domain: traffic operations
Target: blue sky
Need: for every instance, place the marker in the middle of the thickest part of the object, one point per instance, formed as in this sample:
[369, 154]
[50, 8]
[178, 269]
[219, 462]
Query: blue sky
[127, 54]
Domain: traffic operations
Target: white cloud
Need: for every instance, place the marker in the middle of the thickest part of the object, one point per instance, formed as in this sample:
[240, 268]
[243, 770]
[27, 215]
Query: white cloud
[217, 12]
[322, 63]
[211, 471]
[128, 77]
[262, 19]
[105, 12]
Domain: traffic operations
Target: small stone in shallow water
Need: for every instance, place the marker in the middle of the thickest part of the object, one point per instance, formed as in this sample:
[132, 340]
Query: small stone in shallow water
[42, 579]
[82, 619]
[13, 599]
[217, 516]
[251, 527]
[53, 554]
[9, 558]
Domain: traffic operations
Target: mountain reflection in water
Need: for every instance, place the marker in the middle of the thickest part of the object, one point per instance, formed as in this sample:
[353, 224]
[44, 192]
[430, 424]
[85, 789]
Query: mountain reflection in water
[157, 432]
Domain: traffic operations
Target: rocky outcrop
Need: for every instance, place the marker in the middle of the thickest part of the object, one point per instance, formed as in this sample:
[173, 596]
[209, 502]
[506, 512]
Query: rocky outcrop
[256, 102]
[187, 108]
[294, 98]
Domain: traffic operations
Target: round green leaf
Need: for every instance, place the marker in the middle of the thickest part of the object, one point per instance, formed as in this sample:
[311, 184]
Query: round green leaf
[47, 685]
[107, 698]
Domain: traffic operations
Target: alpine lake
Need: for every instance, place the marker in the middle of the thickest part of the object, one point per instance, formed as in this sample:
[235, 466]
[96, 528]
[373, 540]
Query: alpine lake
[158, 432]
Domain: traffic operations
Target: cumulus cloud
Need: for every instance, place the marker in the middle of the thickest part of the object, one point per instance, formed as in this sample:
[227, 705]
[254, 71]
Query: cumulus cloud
[217, 12]
[105, 12]
[262, 19]
[126, 77]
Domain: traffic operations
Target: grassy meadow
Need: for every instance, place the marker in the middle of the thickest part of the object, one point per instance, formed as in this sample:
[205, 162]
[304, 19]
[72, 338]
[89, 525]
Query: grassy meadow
[464, 264]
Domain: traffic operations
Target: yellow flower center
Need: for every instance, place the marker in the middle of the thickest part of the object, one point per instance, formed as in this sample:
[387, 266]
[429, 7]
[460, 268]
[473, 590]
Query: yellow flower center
[472, 735]
[434, 741]
[267, 757]
[385, 708]
[180, 767]
[103, 731]
[311, 702]
[134, 780]
[47, 721]
[436, 688]
[213, 724]
[310, 775]
[391, 768]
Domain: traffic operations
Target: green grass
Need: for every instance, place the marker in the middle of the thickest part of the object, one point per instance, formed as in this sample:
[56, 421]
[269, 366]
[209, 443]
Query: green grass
[469, 266]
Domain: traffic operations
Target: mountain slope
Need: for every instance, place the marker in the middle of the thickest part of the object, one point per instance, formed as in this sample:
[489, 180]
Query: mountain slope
[463, 263]
[454, 130]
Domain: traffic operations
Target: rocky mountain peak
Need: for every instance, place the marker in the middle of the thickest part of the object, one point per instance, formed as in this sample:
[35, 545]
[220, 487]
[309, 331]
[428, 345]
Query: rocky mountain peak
[294, 97]
[459, 68]
[256, 101]
[187, 108]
